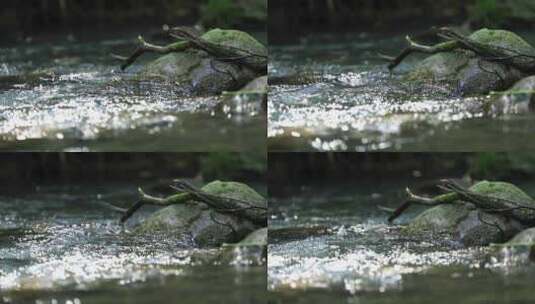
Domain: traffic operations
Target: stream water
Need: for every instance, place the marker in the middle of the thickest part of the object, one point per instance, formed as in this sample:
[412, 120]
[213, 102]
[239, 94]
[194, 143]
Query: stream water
[360, 106]
[63, 245]
[365, 260]
[66, 93]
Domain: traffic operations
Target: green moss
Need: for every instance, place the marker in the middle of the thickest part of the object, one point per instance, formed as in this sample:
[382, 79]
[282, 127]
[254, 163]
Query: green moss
[501, 190]
[179, 198]
[236, 39]
[504, 39]
[234, 190]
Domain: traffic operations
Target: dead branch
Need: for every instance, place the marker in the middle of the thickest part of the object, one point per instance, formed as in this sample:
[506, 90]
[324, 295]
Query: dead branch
[145, 47]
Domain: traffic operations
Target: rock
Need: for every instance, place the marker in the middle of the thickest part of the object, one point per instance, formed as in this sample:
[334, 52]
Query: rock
[202, 224]
[470, 74]
[519, 99]
[258, 238]
[235, 190]
[259, 85]
[251, 99]
[252, 250]
[441, 66]
[519, 250]
[196, 222]
[442, 218]
[501, 190]
[290, 234]
[196, 72]
[481, 77]
[526, 237]
[462, 223]
[470, 226]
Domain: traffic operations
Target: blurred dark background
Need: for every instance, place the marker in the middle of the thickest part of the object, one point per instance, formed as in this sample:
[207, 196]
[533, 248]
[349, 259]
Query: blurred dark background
[288, 171]
[25, 170]
[24, 19]
[291, 20]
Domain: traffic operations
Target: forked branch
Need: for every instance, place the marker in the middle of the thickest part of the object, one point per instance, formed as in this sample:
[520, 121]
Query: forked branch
[145, 47]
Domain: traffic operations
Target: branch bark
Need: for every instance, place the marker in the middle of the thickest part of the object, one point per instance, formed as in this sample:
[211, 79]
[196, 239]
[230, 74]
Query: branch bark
[145, 47]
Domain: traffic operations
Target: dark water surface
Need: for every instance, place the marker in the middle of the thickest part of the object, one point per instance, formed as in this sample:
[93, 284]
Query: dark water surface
[366, 260]
[67, 93]
[64, 245]
[361, 106]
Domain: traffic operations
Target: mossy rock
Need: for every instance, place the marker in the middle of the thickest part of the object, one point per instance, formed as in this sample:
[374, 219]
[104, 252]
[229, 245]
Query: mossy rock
[236, 39]
[203, 225]
[195, 72]
[235, 190]
[440, 66]
[468, 225]
[501, 190]
[503, 39]
[470, 74]
[442, 218]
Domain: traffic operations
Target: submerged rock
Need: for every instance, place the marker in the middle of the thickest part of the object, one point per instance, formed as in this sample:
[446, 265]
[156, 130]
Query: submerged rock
[526, 237]
[250, 251]
[470, 74]
[519, 250]
[196, 72]
[251, 99]
[519, 99]
[465, 223]
[258, 85]
[290, 234]
[201, 223]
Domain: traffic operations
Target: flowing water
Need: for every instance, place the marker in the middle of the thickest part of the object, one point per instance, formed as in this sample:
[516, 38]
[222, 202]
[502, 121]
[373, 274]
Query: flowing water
[360, 106]
[65, 245]
[365, 260]
[67, 93]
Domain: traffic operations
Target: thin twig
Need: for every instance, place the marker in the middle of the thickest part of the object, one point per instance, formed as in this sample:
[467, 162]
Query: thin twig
[131, 211]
